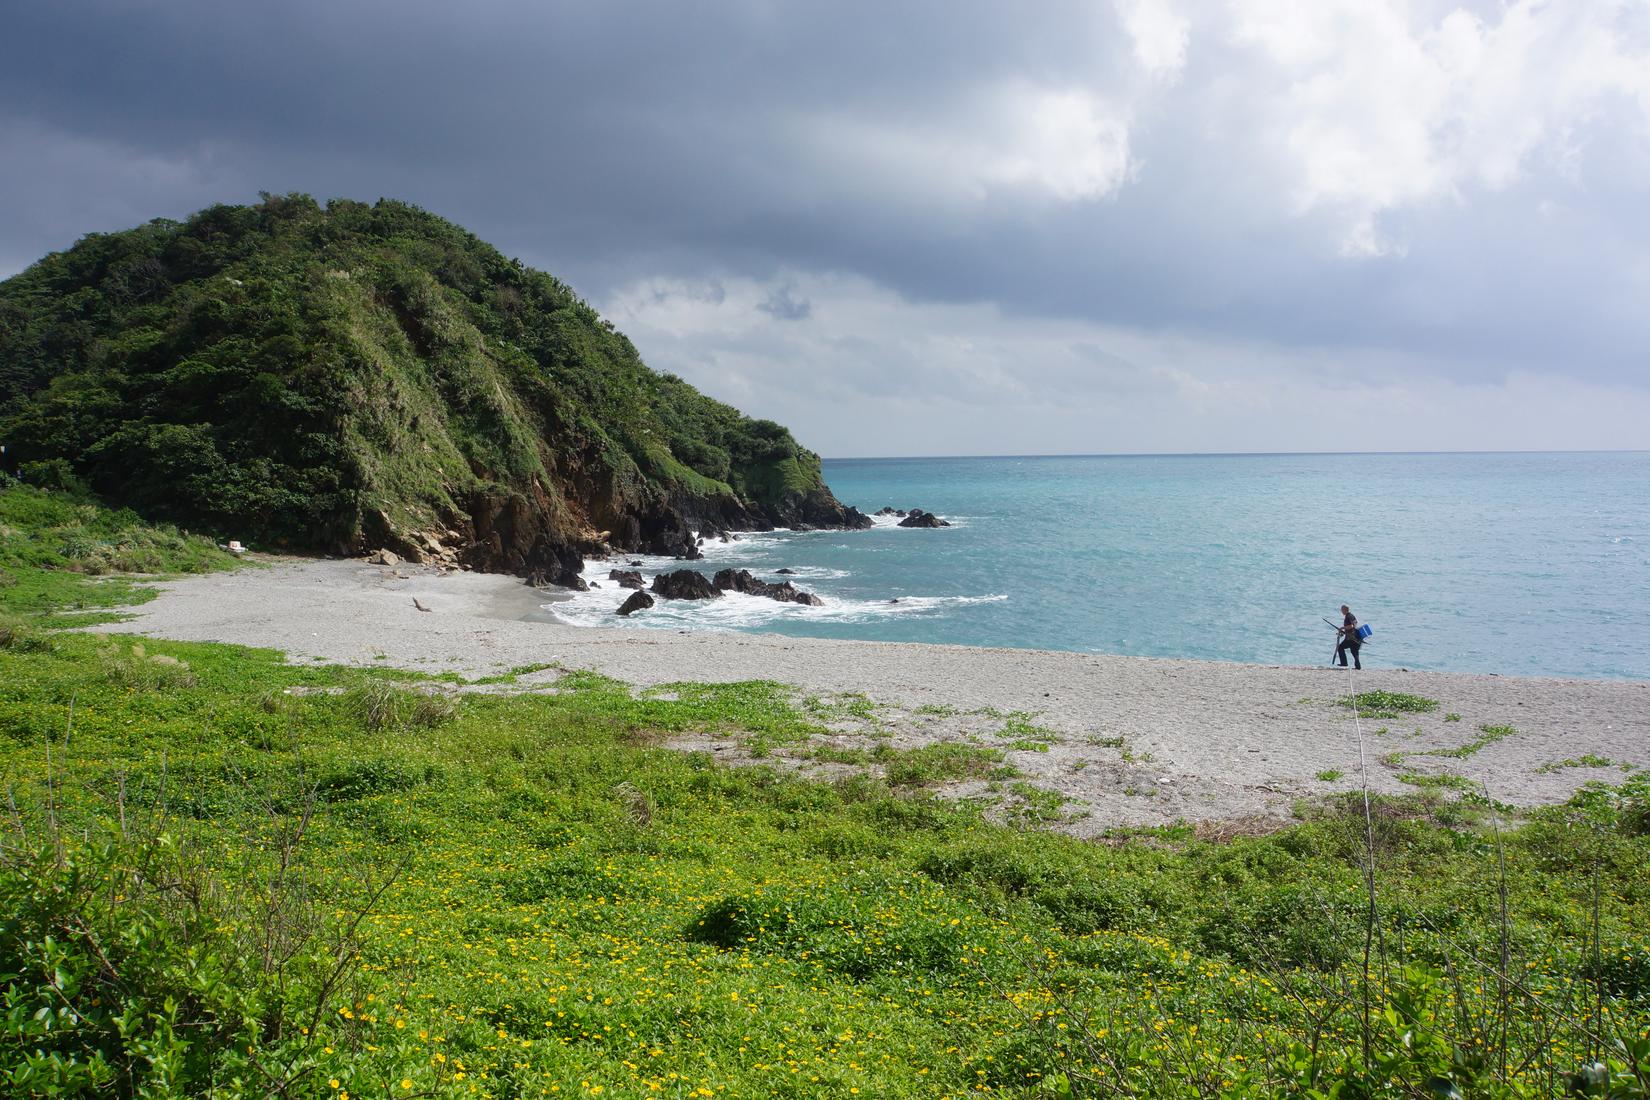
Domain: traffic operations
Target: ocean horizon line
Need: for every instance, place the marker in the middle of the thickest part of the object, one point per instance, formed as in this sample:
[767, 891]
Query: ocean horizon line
[1228, 454]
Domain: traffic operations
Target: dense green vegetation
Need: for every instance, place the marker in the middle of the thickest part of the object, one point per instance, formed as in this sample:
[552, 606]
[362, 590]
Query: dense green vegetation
[221, 874]
[350, 375]
[50, 542]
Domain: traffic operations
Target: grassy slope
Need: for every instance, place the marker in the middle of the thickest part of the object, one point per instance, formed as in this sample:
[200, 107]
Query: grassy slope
[568, 908]
[287, 370]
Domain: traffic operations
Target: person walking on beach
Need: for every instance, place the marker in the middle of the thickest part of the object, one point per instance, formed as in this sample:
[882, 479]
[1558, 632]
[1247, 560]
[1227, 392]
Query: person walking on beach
[1348, 634]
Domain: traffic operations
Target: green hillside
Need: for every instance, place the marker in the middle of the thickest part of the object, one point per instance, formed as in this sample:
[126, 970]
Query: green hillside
[346, 377]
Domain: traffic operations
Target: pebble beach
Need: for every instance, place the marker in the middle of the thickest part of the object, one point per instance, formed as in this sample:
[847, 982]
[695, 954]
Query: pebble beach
[1131, 741]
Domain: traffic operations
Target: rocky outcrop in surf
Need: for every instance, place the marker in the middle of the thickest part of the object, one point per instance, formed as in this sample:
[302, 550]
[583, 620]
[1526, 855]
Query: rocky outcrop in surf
[638, 601]
[741, 580]
[685, 584]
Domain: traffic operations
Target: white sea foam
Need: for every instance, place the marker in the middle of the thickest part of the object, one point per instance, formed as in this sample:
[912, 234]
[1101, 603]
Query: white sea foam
[739, 611]
[893, 521]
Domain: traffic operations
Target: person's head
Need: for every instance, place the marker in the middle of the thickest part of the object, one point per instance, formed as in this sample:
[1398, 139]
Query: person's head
[1345, 610]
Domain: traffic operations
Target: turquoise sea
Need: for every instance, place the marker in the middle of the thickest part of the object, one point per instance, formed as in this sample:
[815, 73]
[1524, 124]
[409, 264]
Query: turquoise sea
[1521, 564]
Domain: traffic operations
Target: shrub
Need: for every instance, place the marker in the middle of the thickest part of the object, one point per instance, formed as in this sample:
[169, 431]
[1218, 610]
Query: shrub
[136, 991]
[857, 931]
[365, 778]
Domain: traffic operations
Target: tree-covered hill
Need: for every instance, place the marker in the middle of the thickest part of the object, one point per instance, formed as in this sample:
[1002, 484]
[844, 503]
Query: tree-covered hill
[347, 377]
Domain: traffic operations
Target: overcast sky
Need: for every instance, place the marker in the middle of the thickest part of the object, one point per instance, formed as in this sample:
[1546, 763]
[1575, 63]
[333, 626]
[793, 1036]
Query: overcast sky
[948, 227]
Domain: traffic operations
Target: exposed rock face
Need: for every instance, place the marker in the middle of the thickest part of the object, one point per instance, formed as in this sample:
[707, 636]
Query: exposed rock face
[888, 511]
[627, 578]
[919, 518]
[638, 601]
[785, 572]
[685, 584]
[740, 580]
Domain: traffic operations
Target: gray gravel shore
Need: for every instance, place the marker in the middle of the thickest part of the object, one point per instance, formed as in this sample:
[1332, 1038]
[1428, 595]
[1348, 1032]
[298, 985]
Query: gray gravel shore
[1132, 741]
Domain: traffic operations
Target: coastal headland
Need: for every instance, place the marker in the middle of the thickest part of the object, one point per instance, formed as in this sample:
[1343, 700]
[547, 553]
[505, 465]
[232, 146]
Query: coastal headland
[1114, 741]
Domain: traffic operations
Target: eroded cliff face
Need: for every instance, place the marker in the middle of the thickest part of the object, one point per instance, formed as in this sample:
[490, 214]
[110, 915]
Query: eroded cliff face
[520, 534]
[350, 378]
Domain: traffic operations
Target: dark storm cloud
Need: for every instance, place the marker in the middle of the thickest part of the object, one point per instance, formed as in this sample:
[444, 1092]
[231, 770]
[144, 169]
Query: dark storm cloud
[783, 304]
[610, 143]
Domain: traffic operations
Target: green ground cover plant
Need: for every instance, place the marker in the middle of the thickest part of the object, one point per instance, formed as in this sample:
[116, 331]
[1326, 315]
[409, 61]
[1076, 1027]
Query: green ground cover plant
[244, 877]
[1388, 704]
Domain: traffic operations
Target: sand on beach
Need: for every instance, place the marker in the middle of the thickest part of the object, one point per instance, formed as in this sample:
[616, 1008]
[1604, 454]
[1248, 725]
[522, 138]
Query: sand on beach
[1131, 741]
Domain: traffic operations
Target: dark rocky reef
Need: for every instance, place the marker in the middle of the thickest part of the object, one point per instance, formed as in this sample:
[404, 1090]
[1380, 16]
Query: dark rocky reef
[918, 518]
[685, 584]
[741, 580]
[637, 601]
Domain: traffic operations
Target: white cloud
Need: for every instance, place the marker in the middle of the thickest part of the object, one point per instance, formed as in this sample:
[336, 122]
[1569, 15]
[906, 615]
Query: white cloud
[867, 371]
[1158, 33]
[1356, 110]
[1374, 107]
[1065, 143]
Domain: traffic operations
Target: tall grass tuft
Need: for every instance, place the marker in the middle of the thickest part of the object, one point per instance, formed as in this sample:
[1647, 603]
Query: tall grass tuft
[382, 706]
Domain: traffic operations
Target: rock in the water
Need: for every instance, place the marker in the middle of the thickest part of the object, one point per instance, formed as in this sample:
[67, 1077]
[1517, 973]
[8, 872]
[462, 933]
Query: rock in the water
[685, 584]
[636, 562]
[638, 601]
[919, 518]
[561, 578]
[887, 510]
[627, 578]
[736, 580]
[740, 580]
[785, 572]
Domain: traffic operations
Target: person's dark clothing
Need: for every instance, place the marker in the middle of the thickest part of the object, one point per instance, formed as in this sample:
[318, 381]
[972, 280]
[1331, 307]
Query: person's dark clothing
[1349, 640]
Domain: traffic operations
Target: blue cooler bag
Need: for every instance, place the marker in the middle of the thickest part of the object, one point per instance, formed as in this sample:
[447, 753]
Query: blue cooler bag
[1364, 632]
